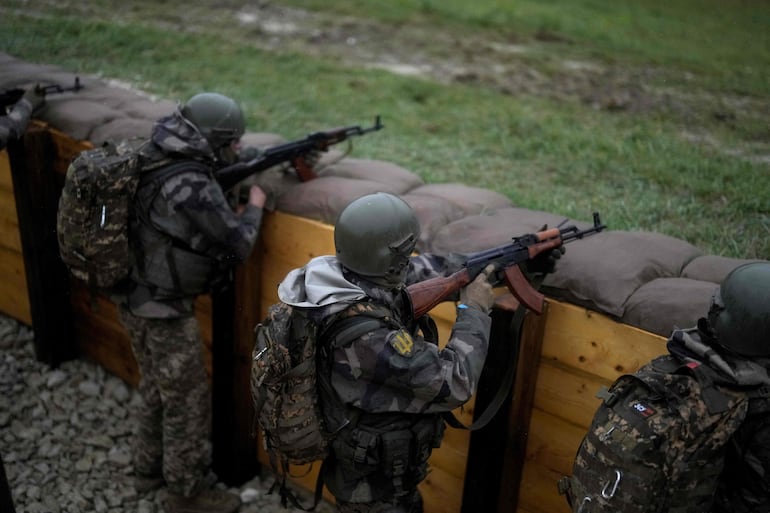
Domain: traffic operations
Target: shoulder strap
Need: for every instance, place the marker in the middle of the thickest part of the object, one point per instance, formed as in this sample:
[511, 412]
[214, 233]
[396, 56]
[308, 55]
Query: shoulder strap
[342, 330]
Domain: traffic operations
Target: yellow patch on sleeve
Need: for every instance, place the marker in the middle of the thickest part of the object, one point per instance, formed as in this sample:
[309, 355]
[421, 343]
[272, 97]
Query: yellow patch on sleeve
[402, 342]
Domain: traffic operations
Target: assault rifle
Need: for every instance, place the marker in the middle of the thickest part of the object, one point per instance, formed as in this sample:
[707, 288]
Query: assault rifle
[426, 294]
[11, 96]
[294, 152]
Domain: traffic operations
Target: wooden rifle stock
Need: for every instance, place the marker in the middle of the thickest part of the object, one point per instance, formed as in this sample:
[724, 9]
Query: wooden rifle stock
[427, 294]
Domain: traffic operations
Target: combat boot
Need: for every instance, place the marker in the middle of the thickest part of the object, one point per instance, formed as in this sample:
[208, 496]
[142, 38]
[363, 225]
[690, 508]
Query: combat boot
[207, 501]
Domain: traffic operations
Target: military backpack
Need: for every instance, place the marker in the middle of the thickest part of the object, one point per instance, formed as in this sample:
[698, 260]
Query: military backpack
[657, 442]
[95, 206]
[290, 379]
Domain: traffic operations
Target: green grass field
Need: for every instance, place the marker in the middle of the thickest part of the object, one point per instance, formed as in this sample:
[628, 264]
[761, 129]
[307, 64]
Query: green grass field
[686, 153]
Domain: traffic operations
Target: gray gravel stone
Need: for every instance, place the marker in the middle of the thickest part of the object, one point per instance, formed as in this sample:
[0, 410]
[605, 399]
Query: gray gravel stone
[65, 438]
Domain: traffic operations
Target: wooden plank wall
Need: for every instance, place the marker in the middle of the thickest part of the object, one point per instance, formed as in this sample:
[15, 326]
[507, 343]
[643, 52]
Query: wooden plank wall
[12, 274]
[582, 351]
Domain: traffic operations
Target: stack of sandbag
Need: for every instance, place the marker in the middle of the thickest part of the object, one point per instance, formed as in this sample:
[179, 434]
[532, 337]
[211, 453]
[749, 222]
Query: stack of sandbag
[644, 279]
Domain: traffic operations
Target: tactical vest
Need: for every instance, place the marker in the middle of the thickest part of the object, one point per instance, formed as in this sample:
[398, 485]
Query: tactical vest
[390, 450]
[166, 264]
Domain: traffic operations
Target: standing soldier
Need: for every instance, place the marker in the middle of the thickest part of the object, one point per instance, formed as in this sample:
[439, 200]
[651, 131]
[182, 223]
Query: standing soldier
[186, 236]
[392, 382]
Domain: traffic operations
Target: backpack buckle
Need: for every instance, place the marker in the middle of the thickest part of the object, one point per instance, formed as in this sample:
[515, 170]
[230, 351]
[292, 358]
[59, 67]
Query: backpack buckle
[365, 441]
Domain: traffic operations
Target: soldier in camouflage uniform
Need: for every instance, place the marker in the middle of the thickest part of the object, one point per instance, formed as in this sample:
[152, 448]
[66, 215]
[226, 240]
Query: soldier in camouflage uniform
[186, 234]
[393, 382]
[735, 341]
[15, 120]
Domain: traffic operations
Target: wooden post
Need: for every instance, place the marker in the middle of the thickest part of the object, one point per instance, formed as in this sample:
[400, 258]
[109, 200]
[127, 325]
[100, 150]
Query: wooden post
[485, 454]
[235, 313]
[521, 411]
[6, 501]
[36, 188]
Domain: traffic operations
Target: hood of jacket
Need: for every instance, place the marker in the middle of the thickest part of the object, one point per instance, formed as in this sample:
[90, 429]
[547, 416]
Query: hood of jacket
[319, 283]
[691, 345]
[174, 134]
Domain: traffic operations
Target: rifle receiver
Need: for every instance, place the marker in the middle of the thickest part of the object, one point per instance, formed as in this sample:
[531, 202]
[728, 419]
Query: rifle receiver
[56, 88]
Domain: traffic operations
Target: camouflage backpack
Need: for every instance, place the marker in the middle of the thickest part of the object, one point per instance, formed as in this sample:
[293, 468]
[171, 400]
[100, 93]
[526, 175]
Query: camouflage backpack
[657, 442]
[285, 381]
[94, 208]
[289, 379]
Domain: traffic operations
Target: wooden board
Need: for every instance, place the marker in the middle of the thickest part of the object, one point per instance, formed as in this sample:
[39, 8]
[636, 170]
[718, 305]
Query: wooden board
[13, 298]
[582, 351]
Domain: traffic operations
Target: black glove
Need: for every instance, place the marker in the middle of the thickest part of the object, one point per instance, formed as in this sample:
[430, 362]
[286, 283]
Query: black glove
[545, 262]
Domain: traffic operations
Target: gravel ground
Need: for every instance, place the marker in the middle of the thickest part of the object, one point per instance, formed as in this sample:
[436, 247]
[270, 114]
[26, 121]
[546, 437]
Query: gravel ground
[64, 438]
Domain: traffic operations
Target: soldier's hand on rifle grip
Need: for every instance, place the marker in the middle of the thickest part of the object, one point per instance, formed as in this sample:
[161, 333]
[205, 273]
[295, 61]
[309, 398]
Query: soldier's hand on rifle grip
[478, 294]
[545, 262]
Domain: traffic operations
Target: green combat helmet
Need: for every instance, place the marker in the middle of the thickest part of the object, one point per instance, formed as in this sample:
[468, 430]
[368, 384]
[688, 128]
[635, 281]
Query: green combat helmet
[374, 236]
[217, 117]
[740, 310]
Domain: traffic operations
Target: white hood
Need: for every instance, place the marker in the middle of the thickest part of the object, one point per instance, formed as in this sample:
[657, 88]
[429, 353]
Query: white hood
[319, 283]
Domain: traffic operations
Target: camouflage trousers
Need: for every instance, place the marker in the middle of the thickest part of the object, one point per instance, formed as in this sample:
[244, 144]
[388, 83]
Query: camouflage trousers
[172, 435]
[410, 503]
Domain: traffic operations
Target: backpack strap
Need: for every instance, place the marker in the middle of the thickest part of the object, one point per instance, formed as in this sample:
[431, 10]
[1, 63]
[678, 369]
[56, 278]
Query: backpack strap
[337, 332]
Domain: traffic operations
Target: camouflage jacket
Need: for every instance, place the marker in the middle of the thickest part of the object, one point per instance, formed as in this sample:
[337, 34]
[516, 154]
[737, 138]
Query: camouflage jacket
[13, 124]
[745, 483]
[186, 233]
[396, 381]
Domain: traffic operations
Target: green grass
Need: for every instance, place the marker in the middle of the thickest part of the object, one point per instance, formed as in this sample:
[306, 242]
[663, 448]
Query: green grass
[638, 170]
[725, 42]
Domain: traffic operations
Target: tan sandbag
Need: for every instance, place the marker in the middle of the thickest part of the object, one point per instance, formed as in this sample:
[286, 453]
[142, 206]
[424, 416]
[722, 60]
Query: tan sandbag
[433, 213]
[261, 140]
[121, 128]
[75, 117]
[148, 109]
[322, 199]
[468, 199]
[664, 304]
[375, 170]
[601, 272]
[479, 232]
[713, 268]
[16, 73]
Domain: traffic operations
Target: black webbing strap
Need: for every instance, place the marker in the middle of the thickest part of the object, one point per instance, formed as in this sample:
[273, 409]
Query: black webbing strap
[507, 382]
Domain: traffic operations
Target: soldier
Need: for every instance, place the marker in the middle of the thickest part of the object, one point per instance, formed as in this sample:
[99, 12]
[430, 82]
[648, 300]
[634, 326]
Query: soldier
[187, 236]
[737, 327]
[393, 381]
[13, 122]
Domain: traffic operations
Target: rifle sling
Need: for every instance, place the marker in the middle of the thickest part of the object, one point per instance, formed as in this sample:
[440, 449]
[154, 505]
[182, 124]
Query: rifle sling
[506, 384]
